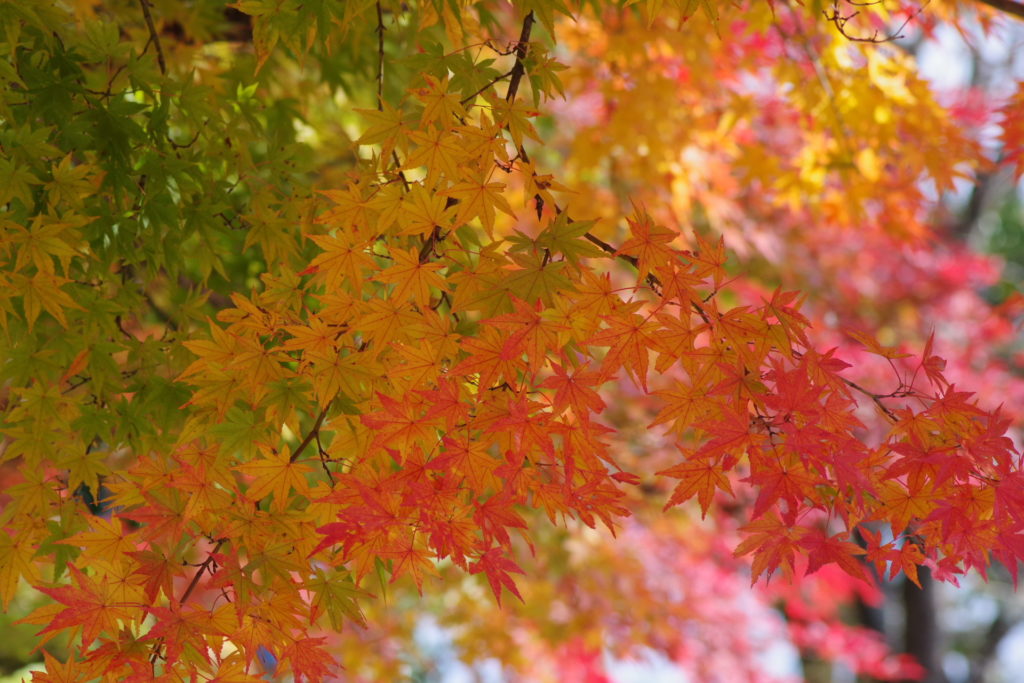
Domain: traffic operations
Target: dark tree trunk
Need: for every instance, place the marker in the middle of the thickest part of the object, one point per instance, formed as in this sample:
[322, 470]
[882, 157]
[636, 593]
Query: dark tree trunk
[921, 629]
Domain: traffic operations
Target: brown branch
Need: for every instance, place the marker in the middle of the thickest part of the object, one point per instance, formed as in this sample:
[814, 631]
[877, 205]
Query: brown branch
[1015, 9]
[312, 433]
[204, 567]
[840, 22]
[520, 66]
[429, 243]
[154, 37]
[877, 398]
[493, 81]
[380, 57]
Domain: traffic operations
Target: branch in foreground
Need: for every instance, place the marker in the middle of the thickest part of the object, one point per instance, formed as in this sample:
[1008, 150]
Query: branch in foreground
[313, 432]
[520, 66]
[154, 37]
[1010, 7]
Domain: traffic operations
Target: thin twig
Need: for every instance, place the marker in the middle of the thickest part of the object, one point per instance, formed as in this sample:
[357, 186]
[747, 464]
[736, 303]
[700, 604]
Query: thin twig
[204, 567]
[840, 22]
[493, 81]
[518, 69]
[874, 397]
[323, 459]
[312, 433]
[154, 37]
[398, 167]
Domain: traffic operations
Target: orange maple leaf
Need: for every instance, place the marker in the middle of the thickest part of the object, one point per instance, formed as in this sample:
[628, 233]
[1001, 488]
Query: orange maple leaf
[275, 473]
[90, 606]
[648, 244]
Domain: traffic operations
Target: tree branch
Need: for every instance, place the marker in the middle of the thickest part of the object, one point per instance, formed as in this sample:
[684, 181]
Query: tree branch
[380, 57]
[1010, 7]
[154, 37]
[312, 433]
[204, 567]
[520, 67]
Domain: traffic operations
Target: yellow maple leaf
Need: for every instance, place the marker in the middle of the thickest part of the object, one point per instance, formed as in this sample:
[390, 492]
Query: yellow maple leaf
[412, 278]
[438, 151]
[344, 261]
[106, 540]
[43, 291]
[275, 473]
[423, 212]
[438, 104]
[387, 129]
[479, 198]
[16, 553]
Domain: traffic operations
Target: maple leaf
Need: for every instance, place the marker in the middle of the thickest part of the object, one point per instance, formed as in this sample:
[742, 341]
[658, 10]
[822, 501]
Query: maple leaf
[234, 671]
[574, 390]
[388, 129]
[536, 278]
[566, 237]
[470, 458]
[344, 262]
[425, 211]
[629, 336]
[438, 151]
[1013, 130]
[16, 553]
[412, 277]
[709, 260]
[498, 569]
[685, 405]
[933, 365]
[274, 473]
[779, 476]
[89, 606]
[438, 104]
[399, 423]
[515, 116]
[492, 358]
[730, 434]
[337, 596]
[68, 671]
[309, 659]
[773, 543]
[159, 572]
[43, 291]
[648, 244]
[873, 346]
[479, 198]
[905, 502]
[531, 332]
[105, 539]
[414, 561]
[176, 628]
[698, 476]
[823, 549]
[496, 515]
[315, 337]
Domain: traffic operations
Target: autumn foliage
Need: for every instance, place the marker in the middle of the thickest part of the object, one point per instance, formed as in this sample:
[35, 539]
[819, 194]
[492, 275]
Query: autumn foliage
[314, 312]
